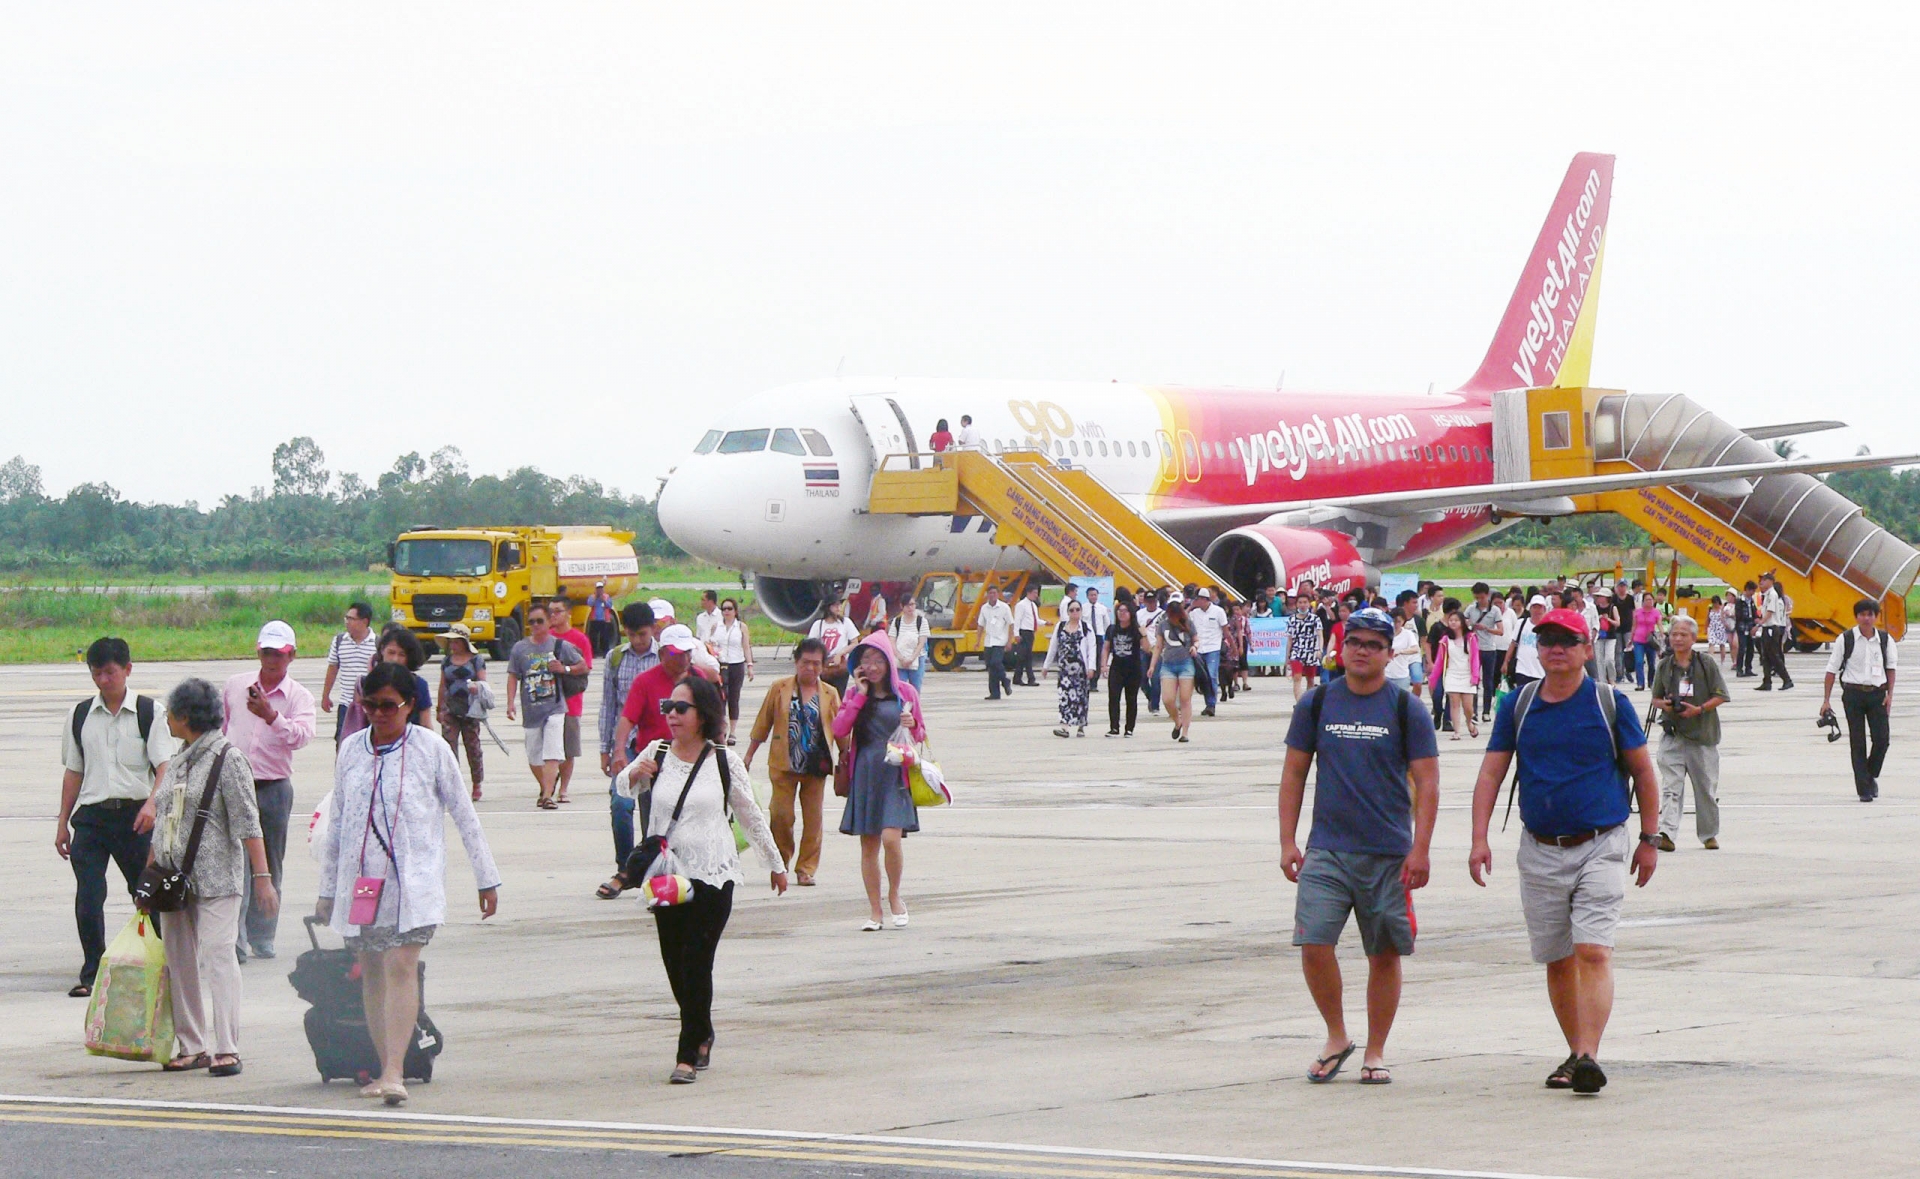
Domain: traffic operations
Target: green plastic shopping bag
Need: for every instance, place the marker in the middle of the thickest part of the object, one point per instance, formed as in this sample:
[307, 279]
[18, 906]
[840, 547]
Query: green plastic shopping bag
[131, 1013]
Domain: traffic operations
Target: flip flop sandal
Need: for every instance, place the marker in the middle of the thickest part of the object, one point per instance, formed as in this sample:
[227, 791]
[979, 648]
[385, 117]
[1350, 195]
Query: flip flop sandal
[1562, 1077]
[1376, 1074]
[1328, 1074]
[609, 891]
[183, 1064]
[80, 991]
[225, 1070]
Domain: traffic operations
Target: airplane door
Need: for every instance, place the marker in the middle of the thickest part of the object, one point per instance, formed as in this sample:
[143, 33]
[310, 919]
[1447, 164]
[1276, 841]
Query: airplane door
[887, 429]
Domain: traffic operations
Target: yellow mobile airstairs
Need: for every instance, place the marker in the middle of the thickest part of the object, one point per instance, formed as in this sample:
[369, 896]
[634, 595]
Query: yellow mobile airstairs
[1820, 546]
[1064, 517]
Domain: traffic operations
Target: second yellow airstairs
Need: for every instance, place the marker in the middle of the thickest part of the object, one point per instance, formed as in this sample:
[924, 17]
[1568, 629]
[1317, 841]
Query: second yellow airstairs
[1819, 544]
[1064, 517]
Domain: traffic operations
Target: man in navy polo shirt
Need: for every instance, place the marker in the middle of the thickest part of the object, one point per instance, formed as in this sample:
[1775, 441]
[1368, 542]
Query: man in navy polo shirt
[1575, 848]
[1369, 844]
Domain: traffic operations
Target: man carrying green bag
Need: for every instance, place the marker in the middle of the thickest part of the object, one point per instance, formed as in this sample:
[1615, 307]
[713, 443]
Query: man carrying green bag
[130, 1015]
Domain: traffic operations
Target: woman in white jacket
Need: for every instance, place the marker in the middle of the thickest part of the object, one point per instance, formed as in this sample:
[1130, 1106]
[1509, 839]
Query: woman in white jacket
[1070, 657]
[689, 806]
[393, 786]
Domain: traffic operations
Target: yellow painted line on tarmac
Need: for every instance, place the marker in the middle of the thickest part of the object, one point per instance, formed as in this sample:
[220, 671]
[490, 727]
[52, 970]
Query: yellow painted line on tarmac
[932, 1154]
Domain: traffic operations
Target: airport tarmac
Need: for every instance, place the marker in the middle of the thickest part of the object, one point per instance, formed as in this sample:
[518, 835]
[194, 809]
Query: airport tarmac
[1098, 959]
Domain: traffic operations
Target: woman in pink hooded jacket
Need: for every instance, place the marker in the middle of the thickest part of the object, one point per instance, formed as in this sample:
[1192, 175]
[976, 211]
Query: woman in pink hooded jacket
[879, 802]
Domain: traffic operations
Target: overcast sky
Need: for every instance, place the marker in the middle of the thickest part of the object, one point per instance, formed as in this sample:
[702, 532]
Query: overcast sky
[563, 234]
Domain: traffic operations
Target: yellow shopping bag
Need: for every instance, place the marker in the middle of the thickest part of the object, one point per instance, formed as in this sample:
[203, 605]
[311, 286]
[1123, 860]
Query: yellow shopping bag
[131, 1013]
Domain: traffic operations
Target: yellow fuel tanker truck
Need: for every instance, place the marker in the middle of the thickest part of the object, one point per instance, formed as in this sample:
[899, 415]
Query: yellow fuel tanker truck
[486, 577]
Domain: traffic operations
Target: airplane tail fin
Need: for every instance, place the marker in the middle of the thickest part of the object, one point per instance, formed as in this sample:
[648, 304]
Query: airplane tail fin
[1546, 336]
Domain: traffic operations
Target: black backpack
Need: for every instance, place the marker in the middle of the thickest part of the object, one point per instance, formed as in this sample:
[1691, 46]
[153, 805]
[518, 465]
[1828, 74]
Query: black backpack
[143, 714]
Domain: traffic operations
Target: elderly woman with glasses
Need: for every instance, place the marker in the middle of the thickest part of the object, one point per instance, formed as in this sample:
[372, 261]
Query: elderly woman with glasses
[1070, 657]
[230, 861]
[384, 854]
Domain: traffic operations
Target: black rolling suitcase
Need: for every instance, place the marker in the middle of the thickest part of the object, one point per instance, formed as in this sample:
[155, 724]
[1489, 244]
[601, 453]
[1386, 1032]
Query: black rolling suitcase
[337, 1022]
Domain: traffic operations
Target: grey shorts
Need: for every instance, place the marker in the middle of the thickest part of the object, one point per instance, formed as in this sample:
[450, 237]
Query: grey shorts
[1333, 884]
[1573, 894]
[378, 939]
[570, 737]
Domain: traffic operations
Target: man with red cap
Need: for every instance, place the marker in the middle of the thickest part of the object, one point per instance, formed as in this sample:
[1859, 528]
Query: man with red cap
[1578, 743]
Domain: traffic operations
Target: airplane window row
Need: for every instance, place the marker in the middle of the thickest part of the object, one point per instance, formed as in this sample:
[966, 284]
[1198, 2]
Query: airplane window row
[781, 441]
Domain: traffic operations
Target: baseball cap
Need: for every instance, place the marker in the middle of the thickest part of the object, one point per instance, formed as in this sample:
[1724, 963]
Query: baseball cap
[661, 609]
[275, 636]
[679, 638]
[1176, 596]
[1538, 600]
[1371, 618]
[1203, 592]
[1571, 620]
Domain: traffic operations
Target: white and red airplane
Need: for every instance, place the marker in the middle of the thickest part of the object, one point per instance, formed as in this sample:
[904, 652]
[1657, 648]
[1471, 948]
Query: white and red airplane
[1268, 487]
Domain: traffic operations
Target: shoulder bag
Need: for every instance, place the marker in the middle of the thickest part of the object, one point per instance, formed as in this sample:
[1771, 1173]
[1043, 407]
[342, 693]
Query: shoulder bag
[169, 890]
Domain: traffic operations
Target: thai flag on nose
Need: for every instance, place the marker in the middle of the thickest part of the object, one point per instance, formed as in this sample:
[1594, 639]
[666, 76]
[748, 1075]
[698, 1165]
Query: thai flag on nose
[818, 476]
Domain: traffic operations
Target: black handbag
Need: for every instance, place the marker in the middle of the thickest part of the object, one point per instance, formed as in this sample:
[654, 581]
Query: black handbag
[169, 890]
[634, 872]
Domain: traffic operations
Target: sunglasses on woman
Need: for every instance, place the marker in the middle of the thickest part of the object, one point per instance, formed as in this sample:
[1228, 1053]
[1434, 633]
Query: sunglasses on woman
[670, 707]
[382, 707]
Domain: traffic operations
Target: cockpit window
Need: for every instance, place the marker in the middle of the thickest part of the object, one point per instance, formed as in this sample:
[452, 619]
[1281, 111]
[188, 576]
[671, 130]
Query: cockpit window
[787, 442]
[744, 441]
[817, 442]
[708, 443]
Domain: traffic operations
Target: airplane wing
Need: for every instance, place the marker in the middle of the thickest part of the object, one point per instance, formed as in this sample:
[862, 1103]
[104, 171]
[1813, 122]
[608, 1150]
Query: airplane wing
[1790, 429]
[1520, 499]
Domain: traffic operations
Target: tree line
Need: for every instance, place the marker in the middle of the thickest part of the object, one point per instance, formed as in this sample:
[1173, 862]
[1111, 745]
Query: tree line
[310, 519]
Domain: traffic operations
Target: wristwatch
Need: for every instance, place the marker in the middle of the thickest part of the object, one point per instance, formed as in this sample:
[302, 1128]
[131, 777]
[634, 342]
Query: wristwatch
[1645, 838]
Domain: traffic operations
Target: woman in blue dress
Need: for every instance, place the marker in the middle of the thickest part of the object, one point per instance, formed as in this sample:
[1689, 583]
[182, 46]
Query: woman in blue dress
[879, 802]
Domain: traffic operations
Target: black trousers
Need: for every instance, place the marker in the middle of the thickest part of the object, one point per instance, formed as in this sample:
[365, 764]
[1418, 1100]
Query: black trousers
[689, 939]
[600, 637]
[1773, 658]
[1023, 660]
[1490, 662]
[1866, 710]
[1742, 653]
[736, 677]
[102, 835]
[996, 660]
[1120, 684]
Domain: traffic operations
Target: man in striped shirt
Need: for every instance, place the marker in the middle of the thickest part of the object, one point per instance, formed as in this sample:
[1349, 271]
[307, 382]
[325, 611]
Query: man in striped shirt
[621, 668]
[349, 657]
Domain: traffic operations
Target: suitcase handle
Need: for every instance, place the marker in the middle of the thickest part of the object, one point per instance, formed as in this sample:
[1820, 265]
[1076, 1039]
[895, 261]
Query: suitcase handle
[310, 921]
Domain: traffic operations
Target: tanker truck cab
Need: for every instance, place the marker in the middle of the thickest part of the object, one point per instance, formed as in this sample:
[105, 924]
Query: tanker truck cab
[487, 577]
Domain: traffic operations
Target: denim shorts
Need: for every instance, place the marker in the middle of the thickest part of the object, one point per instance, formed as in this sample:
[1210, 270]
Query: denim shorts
[1176, 669]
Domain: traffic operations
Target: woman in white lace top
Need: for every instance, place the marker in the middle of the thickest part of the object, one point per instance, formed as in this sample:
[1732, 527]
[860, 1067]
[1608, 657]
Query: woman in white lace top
[701, 839]
[393, 785]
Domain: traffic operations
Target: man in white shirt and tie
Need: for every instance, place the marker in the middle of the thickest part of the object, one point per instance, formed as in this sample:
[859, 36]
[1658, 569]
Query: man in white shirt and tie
[1026, 623]
[1864, 660]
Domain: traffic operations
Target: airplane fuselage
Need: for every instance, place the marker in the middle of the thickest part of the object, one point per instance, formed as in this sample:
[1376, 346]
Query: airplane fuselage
[761, 496]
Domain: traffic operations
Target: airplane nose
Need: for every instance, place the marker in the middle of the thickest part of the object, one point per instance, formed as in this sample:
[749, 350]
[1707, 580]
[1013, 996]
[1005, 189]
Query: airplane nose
[678, 507]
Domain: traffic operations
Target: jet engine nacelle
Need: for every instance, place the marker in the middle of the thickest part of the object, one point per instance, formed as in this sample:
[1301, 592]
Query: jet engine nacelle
[1260, 555]
[794, 602]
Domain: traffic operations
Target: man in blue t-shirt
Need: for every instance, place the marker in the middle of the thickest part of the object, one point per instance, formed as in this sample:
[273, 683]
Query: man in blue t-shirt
[1368, 847]
[1574, 852]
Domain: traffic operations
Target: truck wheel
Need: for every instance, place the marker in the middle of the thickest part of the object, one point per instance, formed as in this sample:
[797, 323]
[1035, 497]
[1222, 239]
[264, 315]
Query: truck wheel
[506, 634]
[945, 654]
[1804, 647]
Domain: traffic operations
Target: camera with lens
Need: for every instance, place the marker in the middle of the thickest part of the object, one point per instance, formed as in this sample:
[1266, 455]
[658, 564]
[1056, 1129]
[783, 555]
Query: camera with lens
[1830, 723]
